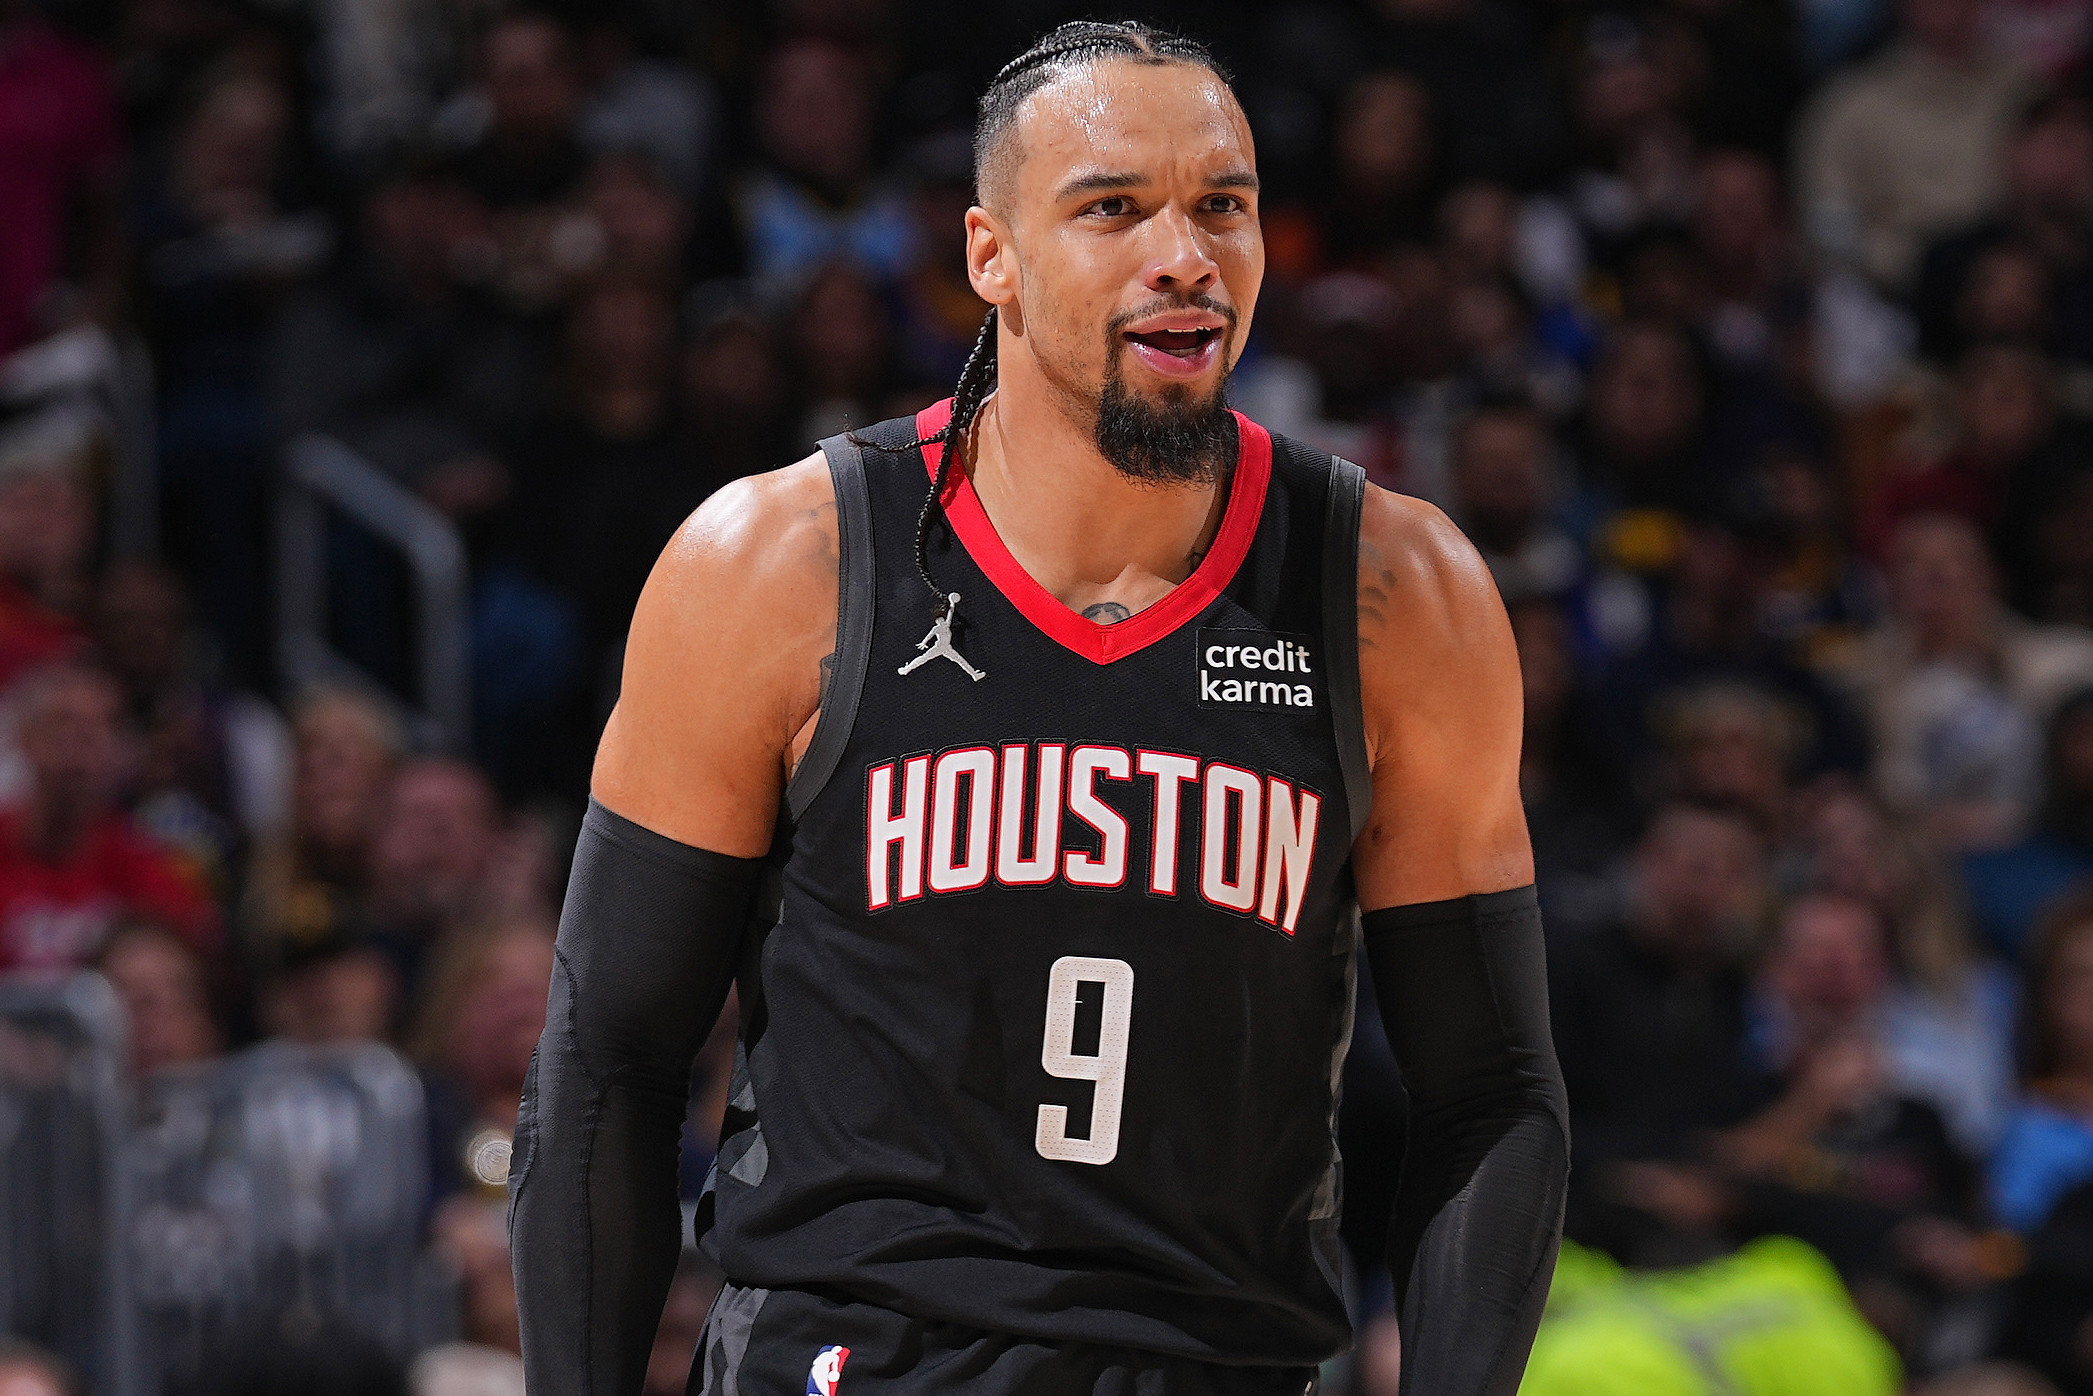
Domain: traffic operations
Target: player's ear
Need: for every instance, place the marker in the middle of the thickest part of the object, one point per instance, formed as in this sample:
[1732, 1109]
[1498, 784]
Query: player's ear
[991, 258]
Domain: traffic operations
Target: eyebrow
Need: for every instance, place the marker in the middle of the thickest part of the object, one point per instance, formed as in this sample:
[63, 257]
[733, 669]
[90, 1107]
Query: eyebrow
[1106, 181]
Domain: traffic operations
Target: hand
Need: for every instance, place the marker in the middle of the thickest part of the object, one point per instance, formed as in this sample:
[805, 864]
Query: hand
[1956, 1256]
[1841, 1075]
[1683, 1197]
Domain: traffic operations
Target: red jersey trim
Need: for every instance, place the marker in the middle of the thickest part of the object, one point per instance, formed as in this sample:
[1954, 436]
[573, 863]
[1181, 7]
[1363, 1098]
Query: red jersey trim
[1101, 644]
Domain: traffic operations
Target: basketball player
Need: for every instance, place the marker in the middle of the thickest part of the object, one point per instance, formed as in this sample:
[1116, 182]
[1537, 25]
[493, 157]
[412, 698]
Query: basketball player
[1021, 763]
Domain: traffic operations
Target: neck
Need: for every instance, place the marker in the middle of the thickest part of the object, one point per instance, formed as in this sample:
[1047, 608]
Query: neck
[1084, 531]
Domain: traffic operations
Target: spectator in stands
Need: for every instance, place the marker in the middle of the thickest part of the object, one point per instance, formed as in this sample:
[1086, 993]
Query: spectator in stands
[615, 471]
[167, 1006]
[1631, 170]
[842, 335]
[1748, 252]
[528, 156]
[1503, 487]
[939, 314]
[1580, 809]
[341, 987]
[734, 399]
[430, 857]
[646, 105]
[2048, 1145]
[820, 195]
[1482, 64]
[1478, 231]
[475, 1029]
[2042, 228]
[215, 774]
[644, 225]
[1908, 145]
[72, 864]
[1813, 585]
[27, 1370]
[1383, 187]
[1956, 688]
[222, 239]
[1946, 1025]
[59, 127]
[2044, 539]
[2009, 888]
[1733, 745]
[1823, 990]
[46, 533]
[306, 884]
[2007, 443]
[1641, 446]
[401, 354]
[1694, 616]
[1834, 1153]
[1650, 1017]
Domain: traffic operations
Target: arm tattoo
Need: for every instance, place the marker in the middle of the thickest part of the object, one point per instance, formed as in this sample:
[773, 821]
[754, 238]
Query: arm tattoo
[1106, 613]
[828, 675]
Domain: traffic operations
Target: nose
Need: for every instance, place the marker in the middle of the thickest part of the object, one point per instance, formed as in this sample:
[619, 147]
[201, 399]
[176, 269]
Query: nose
[1180, 263]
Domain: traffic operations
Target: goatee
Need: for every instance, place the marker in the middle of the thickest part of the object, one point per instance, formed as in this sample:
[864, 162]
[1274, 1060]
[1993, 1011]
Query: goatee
[1174, 439]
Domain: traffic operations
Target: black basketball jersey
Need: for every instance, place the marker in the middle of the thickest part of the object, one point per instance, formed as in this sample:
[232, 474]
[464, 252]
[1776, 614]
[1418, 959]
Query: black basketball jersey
[1045, 1039]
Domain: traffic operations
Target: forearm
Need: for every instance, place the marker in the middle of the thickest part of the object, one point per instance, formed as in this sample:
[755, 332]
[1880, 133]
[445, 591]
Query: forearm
[1478, 1212]
[647, 947]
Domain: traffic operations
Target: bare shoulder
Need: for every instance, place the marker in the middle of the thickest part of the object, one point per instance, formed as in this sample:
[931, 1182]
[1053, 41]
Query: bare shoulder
[723, 663]
[1439, 683]
[1424, 591]
[758, 532]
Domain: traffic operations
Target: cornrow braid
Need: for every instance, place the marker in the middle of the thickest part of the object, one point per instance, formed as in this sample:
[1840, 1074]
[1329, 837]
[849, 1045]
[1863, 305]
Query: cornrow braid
[1070, 46]
[976, 381]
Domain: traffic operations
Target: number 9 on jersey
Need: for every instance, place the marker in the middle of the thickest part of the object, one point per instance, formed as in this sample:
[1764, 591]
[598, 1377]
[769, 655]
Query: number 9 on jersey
[1113, 982]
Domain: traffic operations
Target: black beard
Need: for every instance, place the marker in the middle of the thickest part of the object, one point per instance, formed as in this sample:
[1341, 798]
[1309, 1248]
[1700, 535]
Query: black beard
[1176, 440]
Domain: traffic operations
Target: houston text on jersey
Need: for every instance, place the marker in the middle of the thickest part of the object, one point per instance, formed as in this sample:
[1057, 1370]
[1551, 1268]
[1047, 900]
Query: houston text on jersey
[955, 820]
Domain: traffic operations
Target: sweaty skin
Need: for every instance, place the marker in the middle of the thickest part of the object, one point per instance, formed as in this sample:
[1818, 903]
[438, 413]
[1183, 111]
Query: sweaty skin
[1133, 187]
[1125, 205]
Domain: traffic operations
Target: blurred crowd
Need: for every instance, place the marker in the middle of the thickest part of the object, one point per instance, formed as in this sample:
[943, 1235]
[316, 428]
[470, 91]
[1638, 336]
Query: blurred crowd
[1751, 341]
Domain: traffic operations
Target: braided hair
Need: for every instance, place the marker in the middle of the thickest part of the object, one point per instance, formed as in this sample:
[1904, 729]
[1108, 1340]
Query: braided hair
[1070, 46]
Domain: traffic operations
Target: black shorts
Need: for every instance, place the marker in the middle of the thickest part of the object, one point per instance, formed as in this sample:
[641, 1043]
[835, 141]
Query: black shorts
[764, 1342]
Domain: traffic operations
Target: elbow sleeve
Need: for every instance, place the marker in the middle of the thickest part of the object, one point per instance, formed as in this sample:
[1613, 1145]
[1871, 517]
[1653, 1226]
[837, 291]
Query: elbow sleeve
[1478, 1214]
[648, 942]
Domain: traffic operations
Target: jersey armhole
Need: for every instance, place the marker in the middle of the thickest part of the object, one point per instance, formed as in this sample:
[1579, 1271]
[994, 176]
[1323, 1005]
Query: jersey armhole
[854, 604]
[1341, 635]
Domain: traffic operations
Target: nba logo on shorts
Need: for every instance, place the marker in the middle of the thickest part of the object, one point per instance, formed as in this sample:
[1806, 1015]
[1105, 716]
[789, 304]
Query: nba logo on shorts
[826, 1371]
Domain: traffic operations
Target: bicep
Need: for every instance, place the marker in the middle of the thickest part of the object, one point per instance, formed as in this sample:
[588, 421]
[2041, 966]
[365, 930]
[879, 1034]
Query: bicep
[1440, 675]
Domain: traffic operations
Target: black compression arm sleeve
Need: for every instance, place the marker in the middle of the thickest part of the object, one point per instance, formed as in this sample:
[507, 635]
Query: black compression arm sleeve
[1478, 1212]
[647, 948]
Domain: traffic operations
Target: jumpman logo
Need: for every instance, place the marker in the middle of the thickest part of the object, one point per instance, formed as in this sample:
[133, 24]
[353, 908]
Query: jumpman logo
[938, 643]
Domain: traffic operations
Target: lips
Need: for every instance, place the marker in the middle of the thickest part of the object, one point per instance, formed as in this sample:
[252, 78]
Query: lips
[1177, 351]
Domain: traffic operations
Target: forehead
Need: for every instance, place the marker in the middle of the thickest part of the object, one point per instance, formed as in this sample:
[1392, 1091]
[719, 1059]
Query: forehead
[1122, 117]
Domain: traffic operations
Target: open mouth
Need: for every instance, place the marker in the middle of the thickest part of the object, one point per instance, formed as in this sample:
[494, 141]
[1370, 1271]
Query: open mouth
[1183, 344]
[1183, 354]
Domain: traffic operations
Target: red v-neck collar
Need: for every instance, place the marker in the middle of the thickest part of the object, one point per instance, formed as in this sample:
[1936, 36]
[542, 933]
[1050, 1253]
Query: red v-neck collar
[1101, 644]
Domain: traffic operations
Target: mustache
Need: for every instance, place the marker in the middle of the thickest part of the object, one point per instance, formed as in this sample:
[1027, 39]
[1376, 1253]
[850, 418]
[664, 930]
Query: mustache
[1198, 300]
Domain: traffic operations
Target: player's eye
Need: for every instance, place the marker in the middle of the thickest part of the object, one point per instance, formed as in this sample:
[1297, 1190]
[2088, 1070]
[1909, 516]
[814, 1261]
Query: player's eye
[1225, 203]
[1115, 206]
